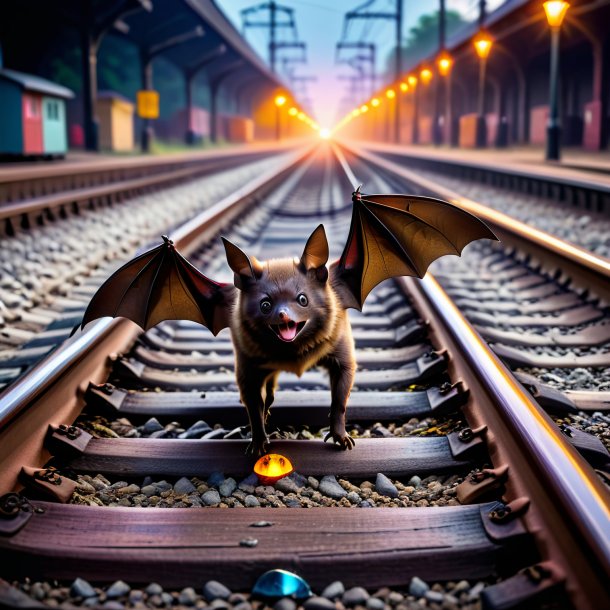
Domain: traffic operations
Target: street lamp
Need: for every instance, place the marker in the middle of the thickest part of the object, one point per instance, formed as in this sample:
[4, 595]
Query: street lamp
[445, 63]
[391, 95]
[555, 12]
[412, 81]
[279, 101]
[482, 45]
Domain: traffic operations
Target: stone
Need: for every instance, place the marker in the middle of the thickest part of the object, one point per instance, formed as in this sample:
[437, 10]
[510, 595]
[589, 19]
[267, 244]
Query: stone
[154, 589]
[220, 604]
[385, 487]
[334, 590]
[287, 486]
[319, 603]
[417, 587]
[285, 604]
[374, 603]
[243, 606]
[299, 479]
[117, 589]
[356, 596]
[197, 430]
[183, 486]
[434, 596]
[414, 481]
[152, 425]
[37, 591]
[81, 588]
[215, 590]
[249, 483]
[395, 598]
[227, 487]
[214, 434]
[211, 497]
[113, 605]
[353, 497]
[216, 479]
[187, 597]
[148, 490]
[329, 487]
[251, 501]
[313, 482]
[162, 486]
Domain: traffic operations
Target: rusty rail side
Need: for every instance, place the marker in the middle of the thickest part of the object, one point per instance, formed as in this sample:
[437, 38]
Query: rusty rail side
[569, 512]
[52, 391]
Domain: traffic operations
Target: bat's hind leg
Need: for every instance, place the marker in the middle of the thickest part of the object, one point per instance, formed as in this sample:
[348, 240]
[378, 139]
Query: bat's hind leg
[270, 388]
[341, 369]
[252, 384]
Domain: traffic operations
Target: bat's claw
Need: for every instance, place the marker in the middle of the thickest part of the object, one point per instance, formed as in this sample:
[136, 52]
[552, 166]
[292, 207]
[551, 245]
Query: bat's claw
[342, 440]
[258, 447]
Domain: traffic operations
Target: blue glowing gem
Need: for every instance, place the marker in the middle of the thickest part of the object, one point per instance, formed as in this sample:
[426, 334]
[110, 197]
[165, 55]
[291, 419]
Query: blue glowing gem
[281, 583]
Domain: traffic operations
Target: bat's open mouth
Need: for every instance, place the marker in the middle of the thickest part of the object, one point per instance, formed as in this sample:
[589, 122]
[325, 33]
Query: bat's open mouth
[287, 332]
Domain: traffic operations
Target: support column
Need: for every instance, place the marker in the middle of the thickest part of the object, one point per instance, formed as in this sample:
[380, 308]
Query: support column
[89, 75]
[148, 134]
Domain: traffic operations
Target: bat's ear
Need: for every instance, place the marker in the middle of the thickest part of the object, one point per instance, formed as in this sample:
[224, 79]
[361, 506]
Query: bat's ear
[315, 255]
[246, 268]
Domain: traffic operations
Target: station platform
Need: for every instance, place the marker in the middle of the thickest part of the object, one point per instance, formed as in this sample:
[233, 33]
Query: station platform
[576, 165]
[77, 161]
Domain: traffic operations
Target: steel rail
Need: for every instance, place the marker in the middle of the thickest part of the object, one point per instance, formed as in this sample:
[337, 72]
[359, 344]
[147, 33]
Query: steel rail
[566, 492]
[584, 268]
[116, 187]
[50, 370]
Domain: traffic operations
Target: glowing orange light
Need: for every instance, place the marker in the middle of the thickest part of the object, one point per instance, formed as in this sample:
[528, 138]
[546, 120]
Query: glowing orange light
[482, 44]
[301, 116]
[356, 112]
[426, 76]
[293, 111]
[555, 12]
[280, 100]
[364, 108]
[390, 94]
[412, 80]
[375, 102]
[445, 63]
[272, 467]
[404, 87]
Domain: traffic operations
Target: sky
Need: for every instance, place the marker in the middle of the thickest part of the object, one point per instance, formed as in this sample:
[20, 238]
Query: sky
[320, 25]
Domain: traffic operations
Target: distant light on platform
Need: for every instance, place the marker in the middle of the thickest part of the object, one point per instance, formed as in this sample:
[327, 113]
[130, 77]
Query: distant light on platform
[390, 94]
[482, 44]
[445, 63]
[364, 108]
[293, 111]
[301, 116]
[280, 100]
[404, 87]
[555, 12]
[375, 102]
[356, 112]
[426, 75]
[412, 80]
[325, 133]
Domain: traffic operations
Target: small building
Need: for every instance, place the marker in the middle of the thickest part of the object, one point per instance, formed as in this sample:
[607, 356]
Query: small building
[115, 114]
[32, 115]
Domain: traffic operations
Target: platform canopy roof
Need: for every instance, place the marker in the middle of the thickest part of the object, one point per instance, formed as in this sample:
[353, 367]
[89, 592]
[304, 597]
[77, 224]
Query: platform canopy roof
[36, 83]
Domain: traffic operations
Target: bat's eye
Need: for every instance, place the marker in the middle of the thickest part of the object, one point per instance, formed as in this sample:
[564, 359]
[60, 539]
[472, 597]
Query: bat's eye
[302, 300]
[265, 306]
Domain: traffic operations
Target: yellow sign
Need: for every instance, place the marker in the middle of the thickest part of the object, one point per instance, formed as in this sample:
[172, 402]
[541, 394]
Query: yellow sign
[148, 104]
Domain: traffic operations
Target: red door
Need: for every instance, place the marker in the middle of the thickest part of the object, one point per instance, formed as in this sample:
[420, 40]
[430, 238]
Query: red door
[32, 123]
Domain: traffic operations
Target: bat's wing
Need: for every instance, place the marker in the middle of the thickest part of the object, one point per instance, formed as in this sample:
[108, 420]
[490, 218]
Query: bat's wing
[395, 235]
[162, 285]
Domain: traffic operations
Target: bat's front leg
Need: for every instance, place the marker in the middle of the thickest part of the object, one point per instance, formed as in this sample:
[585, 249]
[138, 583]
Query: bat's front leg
[341, 367]
[252, 381]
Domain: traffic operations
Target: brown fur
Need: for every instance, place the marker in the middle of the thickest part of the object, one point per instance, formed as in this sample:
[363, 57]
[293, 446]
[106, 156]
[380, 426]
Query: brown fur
[260, 354]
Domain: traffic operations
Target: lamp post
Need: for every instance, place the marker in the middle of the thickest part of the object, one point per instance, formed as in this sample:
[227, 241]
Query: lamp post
[482, 45]
[412, 82]
[280, 100]
[425, 77]
[375, 103]
[391, 95]
[444, 64]
[555, 12]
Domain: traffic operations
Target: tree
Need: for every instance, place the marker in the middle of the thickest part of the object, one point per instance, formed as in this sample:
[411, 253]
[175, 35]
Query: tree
[422, 40]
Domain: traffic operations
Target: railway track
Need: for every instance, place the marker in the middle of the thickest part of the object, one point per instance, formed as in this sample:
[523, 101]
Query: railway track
[61, 253]
[463, 475]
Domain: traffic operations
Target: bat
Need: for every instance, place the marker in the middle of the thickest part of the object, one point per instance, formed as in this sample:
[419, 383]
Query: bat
[290, 314]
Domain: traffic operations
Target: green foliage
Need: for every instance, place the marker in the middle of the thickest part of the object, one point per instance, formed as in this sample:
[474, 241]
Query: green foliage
[422, 40]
